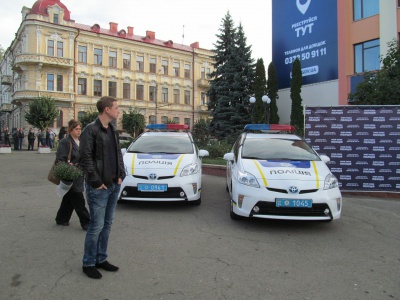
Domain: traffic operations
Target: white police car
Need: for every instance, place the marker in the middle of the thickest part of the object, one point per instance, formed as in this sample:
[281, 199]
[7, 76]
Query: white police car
[279, 176]
[163, 166]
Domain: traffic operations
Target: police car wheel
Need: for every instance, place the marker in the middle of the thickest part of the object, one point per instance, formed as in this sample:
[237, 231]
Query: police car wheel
[196, 202]
[233, 215]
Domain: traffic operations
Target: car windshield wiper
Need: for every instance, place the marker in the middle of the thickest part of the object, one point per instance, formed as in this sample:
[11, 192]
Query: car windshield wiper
[252, 157]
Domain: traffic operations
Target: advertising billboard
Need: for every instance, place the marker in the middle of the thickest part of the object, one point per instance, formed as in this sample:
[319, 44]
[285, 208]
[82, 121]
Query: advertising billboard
[305, 29]
[363, 143]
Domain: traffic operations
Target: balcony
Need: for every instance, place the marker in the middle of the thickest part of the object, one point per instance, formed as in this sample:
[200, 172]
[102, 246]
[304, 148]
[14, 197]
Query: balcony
[32, 59]
[203, 83]
[31, 94]
[6, 80]
[6, 107]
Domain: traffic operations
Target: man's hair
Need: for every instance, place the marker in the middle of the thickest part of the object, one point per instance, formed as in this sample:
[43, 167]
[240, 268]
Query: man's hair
[104, 102]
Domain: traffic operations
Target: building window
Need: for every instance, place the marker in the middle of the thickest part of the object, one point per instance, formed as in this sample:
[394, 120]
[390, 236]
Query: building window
[164, 67]
[152, 93]
[176, 96]
[112, 59]
[126, 61]
[81, 114]
[203, 100]
[50, 82]
[187, 71]
[112, 89]
[60, 118]
[60, 49]
[139, 92]
[187, 97]
[98, 56]
[176, 69]
[50, 48]
[126, 90]
[152, 65]
[366, 56]
[152, 119]
[59, 83]
[208, 71]
[164, 120]
[203, 73]
[82, 86]
[82, 54]
[176, 120]
[365, 8]
[140, 63]
[164, 95]
[55, 19]
[186, 121]
[97, 88]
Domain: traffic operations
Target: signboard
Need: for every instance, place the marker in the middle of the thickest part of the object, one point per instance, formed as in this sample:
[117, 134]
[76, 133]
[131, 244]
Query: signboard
[305, 29]
[363, 143]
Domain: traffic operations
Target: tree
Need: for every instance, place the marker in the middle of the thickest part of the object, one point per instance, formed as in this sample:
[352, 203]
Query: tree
[381, 87]
[297, 114]
[88, 117]
[41, 112]
[272, 92]
[201, 132]
[260, 89]
[232, 81]
[133, 122]
[1, 52]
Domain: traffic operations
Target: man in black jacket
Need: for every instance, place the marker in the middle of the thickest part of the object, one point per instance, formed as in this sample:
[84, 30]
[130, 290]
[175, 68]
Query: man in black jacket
[101, 159]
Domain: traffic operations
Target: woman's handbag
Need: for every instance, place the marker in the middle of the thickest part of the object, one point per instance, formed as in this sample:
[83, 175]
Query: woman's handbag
[51, 176]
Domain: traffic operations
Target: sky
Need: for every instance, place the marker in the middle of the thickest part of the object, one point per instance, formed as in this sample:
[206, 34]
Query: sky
[169, 19]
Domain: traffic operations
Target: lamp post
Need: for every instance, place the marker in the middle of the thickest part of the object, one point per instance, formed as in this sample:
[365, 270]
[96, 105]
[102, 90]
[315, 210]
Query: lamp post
[266, 101]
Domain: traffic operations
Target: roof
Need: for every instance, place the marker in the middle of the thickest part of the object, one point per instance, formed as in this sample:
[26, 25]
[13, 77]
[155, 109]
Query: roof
[40, 8]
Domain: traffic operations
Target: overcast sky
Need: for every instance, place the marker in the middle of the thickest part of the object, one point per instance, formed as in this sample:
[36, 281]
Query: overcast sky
[169, 19]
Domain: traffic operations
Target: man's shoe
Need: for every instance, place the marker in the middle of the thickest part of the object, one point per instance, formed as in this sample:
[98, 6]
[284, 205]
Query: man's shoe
[63, 223]
[92, 272]
[107, 266]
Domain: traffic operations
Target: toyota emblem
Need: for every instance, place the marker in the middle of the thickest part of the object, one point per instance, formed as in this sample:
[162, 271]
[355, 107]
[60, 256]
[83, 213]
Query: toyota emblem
[293, 190]
[153, 176]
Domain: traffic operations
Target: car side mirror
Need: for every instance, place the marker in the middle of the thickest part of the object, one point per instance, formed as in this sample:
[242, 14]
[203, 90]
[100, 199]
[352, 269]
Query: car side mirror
[325, 158]
[203, 153]
[123, 150]
[229, 156]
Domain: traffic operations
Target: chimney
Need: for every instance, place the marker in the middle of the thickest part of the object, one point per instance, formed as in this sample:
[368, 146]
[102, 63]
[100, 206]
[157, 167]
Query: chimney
[130, 30]
[195, 45]
[113, 27]
[150, 34]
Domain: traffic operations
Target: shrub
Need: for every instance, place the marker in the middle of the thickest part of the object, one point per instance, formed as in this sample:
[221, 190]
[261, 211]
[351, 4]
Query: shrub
[67, 172]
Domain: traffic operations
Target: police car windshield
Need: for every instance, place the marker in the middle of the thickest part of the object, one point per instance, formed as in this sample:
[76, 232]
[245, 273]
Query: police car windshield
[277, 149]
[162, 144]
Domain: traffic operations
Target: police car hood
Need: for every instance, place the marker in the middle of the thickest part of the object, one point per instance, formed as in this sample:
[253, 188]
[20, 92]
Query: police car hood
[282, 172]
[164, 164]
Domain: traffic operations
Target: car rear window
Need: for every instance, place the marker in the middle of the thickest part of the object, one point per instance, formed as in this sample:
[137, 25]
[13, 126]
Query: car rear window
[162, 144]
[278, 149]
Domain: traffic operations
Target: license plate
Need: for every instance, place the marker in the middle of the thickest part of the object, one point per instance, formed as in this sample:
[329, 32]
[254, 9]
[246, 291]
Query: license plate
[144, 187]
[293, 203]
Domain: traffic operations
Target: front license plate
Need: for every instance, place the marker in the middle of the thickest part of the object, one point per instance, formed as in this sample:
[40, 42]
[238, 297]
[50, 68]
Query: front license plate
[144, 187]
[293, 203]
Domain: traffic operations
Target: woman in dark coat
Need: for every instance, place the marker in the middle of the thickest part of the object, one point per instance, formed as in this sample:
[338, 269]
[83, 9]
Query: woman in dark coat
[73, 199]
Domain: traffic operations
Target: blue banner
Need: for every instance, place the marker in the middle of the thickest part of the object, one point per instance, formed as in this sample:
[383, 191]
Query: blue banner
[305, 29]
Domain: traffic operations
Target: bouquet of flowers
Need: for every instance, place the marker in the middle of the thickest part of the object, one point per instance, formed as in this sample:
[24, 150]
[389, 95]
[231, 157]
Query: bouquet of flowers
[67, 172]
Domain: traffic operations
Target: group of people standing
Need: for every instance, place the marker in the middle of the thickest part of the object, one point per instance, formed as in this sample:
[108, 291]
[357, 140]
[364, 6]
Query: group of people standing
[98, 154]
[45, 138]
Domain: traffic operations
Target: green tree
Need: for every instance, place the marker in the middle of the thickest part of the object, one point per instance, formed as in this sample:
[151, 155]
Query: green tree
[272, 92]
[201, 132]
[133, 122]
[1, 52]
[88, 117]
[381, 87]
[232, 81]
[297, 114]
[41, 112]
[260, 89]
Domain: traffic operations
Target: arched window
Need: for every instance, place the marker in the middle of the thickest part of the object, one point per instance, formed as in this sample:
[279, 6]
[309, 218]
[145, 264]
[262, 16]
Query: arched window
[60, 119]
[81, 114]
[152, 119]
[164, 119]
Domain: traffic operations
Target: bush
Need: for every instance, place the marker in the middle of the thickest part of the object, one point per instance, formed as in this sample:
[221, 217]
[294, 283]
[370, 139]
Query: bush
[217, 149]
[66, 172]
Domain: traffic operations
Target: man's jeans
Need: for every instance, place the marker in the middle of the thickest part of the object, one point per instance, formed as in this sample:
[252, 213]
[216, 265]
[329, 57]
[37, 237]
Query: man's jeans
[102, 205]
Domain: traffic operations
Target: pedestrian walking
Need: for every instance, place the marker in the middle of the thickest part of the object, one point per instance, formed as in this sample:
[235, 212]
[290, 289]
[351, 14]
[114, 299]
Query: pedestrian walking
[52, 137]
[39, 136]
[73, 199]
[101, 159]
[7, 135]
[15, 139]
[43, 138]
[21, 136]
[31, 138]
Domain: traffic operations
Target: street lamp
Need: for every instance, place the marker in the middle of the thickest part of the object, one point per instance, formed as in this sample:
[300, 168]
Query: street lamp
[266, 101]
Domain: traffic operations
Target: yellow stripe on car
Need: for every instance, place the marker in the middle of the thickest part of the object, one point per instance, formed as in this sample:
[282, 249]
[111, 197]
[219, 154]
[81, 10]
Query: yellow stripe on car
[133, 163]
[179, 162]
[316, 173]
[261, 172]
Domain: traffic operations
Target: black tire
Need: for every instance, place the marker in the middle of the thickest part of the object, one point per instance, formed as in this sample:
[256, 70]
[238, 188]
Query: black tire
[232, 214]
[196, 202]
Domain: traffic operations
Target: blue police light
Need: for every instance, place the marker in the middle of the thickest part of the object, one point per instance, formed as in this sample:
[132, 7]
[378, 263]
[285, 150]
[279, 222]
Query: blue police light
[270, 127]
[167, 126]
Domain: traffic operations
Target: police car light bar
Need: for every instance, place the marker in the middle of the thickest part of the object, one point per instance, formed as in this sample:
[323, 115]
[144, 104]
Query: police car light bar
[168, 126]
[270, 127]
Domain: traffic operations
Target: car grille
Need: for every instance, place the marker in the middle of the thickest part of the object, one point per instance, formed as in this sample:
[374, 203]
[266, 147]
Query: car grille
[286, 192]
[269, 208]
[159, 178]
[173, 192]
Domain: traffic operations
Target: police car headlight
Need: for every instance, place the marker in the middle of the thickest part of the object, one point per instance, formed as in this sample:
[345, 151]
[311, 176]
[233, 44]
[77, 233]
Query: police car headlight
[190, 170]
[330, 182]
[247, 179]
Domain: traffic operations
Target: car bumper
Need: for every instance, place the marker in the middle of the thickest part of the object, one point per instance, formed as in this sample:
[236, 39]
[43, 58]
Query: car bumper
[187, 188]
[254, 202]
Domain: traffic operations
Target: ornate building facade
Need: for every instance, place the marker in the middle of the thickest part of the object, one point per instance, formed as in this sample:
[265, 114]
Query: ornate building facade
[76, 64]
